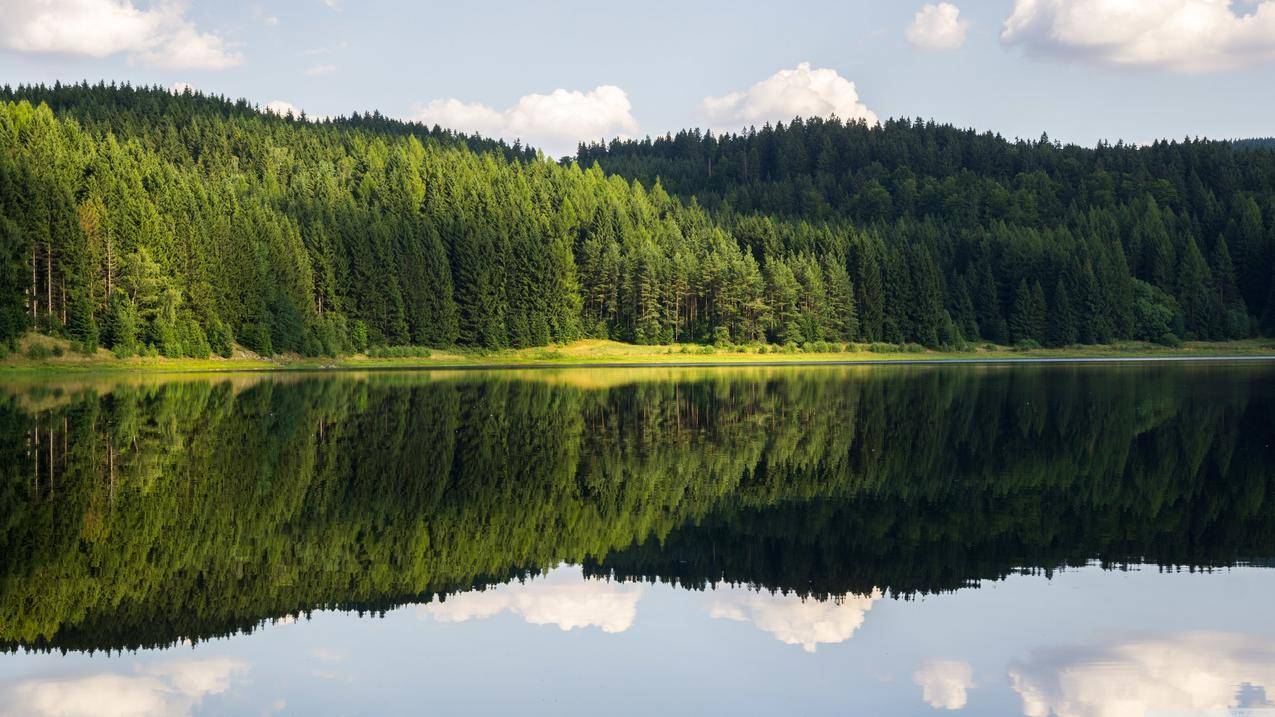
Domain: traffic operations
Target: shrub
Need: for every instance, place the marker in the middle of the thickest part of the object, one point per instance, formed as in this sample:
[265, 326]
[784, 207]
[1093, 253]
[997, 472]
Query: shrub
[707, 350]
[122, 351]
[1027, 345]
[58, 352]
[721, 336]
[38, 352]
[913, 348]
[219, 338]
[878, 347]
[1169, 339]
[762, 349]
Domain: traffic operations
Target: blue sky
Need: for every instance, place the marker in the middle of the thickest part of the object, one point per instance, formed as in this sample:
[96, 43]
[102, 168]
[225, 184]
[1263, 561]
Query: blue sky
[556, 72]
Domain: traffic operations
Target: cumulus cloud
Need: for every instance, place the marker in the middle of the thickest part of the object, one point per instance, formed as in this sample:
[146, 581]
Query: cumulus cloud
[159, 35]
[559, 599]
[181, 88]
[937, 28]
[169, 689]
[792, 620]
[800, 92]
[1180, 35]
[944, 683]
[282, 108]
[556, 122]
[1196, 673]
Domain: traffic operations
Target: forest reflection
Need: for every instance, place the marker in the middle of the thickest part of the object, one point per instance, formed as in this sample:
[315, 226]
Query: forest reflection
[138, 513]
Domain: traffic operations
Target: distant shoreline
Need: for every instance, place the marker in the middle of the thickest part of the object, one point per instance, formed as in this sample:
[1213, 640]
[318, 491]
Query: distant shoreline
[595, 354]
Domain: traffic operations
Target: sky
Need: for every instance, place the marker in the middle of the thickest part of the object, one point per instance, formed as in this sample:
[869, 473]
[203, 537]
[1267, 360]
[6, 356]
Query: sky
[554, 73]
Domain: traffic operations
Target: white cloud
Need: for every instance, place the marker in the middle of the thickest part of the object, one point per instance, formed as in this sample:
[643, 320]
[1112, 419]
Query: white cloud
[167, 690]
[160, 35]
[179, 88]
[792, 620]
[1195, 673]
[944, 683]
[799, 92]
[282, 108]
[320, 70]
[555, 122]
[937, 28]
[562, 599]
[333, 4]
[1180, 35]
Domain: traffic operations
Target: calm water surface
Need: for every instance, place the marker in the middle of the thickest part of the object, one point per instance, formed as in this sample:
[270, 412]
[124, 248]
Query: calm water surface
[1035, 540]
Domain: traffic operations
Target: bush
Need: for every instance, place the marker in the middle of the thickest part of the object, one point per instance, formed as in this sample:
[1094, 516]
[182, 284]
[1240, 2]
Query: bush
[791, 347]
[58, 352]
[358, 336]
[762, 349]
[122, 351]
[219, 339]
[1027, 345]
[38, 352]
[878, 347]
[721, 336]
[707, 350]
[1170, 340]
[914, 348]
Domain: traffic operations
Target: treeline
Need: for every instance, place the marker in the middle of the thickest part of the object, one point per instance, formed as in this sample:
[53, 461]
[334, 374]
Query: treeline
[1175, 237]
[182, 224]
[138, 515]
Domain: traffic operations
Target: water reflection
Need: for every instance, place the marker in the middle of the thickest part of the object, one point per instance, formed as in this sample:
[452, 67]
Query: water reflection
[813, 507]
[1200, 672]
[174, 687]
[560, 598]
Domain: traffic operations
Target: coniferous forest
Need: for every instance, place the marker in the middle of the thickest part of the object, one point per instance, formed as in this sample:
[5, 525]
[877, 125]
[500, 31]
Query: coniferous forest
[142, 220]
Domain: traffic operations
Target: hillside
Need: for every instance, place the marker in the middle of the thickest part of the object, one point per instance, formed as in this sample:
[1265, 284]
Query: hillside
[145, 221]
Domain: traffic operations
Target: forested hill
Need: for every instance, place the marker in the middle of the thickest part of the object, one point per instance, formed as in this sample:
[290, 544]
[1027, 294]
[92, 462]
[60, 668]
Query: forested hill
[125, 110]
[148, 221]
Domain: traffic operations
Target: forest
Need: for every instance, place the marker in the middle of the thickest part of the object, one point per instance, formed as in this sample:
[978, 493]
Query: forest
[149, 222]
[139, 512]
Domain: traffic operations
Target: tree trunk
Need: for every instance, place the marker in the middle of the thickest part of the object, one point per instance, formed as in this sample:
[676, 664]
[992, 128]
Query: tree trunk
[48, 283]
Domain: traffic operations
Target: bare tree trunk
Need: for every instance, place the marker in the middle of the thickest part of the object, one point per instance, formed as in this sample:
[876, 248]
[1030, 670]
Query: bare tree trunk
[48, 282]
[35, 297]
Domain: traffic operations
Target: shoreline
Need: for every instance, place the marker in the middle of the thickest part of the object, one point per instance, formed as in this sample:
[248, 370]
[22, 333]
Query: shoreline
[607, 354]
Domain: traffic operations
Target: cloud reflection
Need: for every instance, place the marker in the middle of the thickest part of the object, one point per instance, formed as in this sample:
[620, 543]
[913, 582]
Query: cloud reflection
[1196, 672]
[562, 598]
[168, 689]
[792, 620]
[944, 683]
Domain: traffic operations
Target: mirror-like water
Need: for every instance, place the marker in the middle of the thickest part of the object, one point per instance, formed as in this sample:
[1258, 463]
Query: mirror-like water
[1069, 540]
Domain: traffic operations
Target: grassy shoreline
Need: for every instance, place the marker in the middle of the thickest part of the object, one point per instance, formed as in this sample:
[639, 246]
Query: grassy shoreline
[597, 353]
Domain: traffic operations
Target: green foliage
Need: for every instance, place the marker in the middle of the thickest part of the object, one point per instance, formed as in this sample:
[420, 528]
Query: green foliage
[38, 352]
[322, 238]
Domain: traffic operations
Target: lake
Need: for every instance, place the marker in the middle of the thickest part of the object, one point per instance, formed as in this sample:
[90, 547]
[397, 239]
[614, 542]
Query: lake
[1075, 540]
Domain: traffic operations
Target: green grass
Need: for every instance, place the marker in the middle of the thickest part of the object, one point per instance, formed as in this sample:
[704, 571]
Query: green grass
[43, 358]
